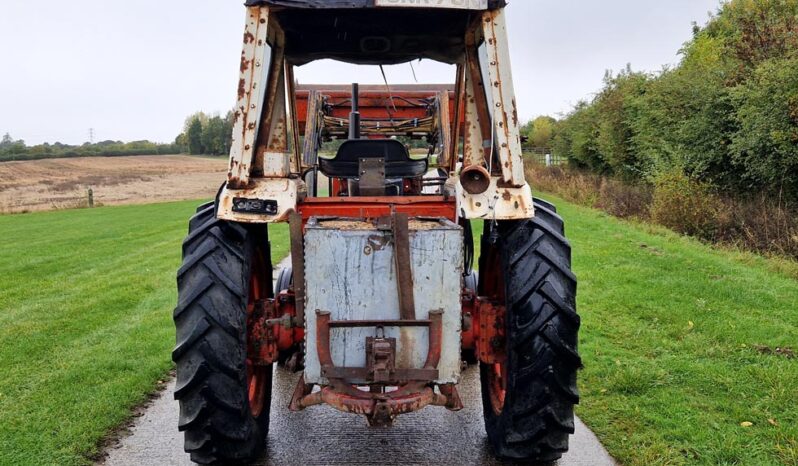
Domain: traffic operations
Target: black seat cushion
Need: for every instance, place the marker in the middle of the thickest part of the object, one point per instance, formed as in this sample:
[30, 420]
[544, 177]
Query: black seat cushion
[398, 164]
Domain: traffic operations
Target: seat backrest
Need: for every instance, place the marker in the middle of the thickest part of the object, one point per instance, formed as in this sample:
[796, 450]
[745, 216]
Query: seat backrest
[398, 164]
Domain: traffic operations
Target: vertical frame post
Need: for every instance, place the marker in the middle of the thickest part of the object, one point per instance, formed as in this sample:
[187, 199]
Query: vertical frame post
[459, 87]
[296, 159]
[251, 87]
[445, 127]
[500, 85]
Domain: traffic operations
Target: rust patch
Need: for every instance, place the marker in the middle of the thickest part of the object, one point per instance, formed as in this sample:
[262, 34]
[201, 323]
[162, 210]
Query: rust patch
[407, 345]
[507, 196]
[249, 37]
[242, 91]
[278, 143]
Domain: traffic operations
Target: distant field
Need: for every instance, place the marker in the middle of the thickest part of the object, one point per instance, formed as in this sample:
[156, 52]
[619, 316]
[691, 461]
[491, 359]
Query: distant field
[63, 183]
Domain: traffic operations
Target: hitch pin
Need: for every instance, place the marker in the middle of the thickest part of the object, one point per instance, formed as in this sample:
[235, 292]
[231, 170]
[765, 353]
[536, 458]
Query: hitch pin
[286, 321]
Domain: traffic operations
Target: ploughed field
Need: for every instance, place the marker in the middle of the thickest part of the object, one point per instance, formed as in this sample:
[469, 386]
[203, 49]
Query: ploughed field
[689, 351]
[50, 184]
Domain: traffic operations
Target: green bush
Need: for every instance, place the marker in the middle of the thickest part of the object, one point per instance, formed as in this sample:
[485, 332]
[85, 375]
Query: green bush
[727, 115]
[687, 206]
[767, 111]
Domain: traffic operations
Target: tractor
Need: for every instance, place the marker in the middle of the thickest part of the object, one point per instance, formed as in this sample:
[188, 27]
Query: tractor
[405, 265]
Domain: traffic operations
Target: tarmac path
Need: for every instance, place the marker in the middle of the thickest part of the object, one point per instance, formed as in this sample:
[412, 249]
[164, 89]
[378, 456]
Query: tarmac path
[323, 436]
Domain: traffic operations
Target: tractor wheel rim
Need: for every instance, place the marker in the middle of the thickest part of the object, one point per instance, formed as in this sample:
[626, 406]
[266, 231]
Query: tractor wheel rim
[256, 384]
[497, 378]
[493, 285]
[257, 376]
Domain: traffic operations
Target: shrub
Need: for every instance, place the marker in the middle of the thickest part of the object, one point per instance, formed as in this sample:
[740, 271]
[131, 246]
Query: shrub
[625, 200]
[687, 206]
[727, 115]
[762, 224]
[576, 186]
[767, 145]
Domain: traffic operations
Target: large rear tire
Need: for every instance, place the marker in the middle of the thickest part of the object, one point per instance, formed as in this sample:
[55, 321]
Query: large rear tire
[528, 401]
[224, 400]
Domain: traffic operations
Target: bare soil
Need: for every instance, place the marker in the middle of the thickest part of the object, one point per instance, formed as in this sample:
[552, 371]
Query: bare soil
[52, 184]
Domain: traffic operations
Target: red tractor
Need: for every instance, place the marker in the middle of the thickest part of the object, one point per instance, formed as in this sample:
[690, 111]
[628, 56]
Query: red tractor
[381, 304]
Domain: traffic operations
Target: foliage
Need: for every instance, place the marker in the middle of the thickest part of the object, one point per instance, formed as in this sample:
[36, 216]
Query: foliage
[540, 132]
[686, 206]
[757, 223]
[577, 138]
[194, 137]
[11, 149]
[767, 111]
[207, 134]
[727, 115]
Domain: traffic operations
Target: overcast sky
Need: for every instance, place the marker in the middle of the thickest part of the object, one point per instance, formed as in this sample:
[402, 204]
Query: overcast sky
[135, 70]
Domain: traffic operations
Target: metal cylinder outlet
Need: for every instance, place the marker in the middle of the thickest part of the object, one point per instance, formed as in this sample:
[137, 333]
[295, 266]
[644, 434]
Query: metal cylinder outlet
[475, 179]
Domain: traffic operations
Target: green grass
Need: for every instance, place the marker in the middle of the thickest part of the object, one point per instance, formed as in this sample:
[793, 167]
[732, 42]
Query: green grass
[672, 342]
[86, 300]
[670, 338]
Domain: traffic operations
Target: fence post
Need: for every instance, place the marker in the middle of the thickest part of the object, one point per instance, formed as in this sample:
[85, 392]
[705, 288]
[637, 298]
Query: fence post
[548, 160]
[91, 198]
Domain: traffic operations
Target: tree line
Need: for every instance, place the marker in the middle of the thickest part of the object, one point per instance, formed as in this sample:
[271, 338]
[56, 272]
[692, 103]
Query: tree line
[726, 116]
[16, 149]
[205, 134]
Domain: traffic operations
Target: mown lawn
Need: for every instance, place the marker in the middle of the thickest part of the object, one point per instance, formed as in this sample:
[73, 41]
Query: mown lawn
[86, 300]
[676, 336]
[679, 343]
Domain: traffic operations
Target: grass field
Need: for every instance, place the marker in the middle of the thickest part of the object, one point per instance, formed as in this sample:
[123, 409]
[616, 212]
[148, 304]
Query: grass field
[683, 345]
[85, 323]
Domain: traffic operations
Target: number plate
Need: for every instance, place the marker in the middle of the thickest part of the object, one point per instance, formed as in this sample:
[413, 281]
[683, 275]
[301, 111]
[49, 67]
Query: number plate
[452, 4]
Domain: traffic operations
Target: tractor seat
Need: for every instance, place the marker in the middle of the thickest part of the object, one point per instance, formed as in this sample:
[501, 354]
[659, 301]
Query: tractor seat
[398, 164]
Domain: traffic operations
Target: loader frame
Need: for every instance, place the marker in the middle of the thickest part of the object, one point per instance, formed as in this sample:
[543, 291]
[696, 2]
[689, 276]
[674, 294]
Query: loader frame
[268, 156]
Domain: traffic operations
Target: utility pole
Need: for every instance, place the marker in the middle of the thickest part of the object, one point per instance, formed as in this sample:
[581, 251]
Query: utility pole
[91, 135]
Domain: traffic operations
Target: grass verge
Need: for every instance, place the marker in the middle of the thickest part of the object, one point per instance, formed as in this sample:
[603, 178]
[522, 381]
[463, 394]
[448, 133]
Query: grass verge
[684, 346]
[85, 323]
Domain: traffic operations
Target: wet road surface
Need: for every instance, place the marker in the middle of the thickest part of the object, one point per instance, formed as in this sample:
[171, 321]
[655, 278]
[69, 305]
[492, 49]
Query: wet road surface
[322, 436]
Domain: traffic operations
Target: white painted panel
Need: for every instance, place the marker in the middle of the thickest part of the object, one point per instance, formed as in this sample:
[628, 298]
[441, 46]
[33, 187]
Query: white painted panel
[350, 275]
[255, 64]
[504, 107]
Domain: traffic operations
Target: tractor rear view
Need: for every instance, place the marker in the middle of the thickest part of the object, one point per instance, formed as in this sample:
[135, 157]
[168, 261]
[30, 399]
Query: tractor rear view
[381, 304]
